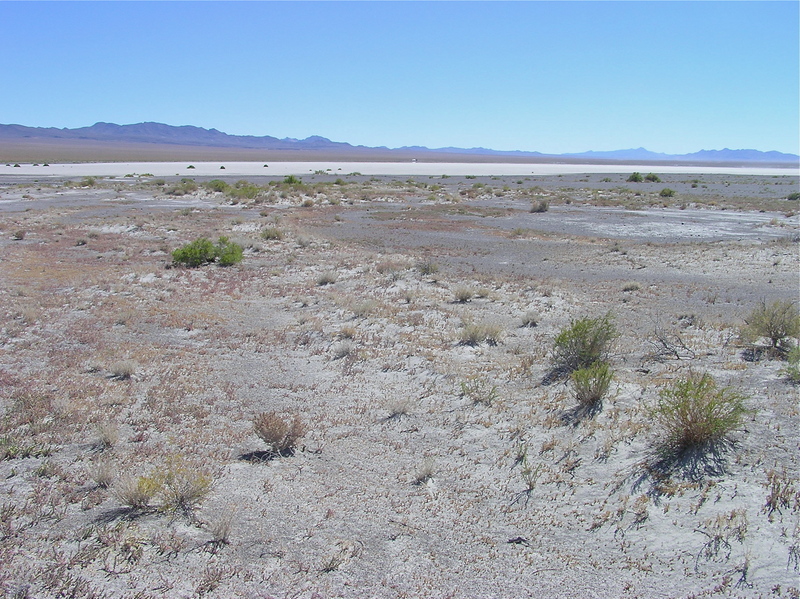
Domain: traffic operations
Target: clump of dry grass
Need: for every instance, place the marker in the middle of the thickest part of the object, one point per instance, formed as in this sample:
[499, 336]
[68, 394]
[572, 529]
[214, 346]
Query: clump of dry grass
[425, 472]
[280, 435]
[343, 349]
[479, 391]
[182, 485]
[272, 234]
[427, 267]
[530, 319]
[327, 278]
[102, 473]
[123, 370]
[475, 334]
[539, 206]
[107, 435]
[135, 492]
[220, 527]
[463, 293]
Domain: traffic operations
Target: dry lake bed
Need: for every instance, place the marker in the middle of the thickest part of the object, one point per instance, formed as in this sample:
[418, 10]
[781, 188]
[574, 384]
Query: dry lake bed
[408, 322]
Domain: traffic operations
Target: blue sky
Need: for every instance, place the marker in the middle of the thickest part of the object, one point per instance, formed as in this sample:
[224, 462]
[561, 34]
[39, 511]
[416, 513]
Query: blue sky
[542, 76]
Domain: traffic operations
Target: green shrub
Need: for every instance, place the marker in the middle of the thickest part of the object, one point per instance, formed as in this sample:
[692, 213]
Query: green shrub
[777, 322]
[794, 196]
[198, 252]
[217, 185]
[667, 193]
[693, 413]
[292, 180]
[184, 187]
[635, 178]
[584, 342]
[591, 383]
[202, 251]
[228, 252]
[652, 178]
[244, 190]
[792, 370]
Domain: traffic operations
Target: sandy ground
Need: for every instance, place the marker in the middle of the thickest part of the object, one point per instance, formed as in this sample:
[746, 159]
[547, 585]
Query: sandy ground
[429, 468]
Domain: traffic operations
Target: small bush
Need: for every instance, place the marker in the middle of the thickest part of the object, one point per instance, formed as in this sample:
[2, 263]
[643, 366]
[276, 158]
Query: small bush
[427, 267]
[102, 473]
[584, 342]
[123, 370]
[186, 186]
[540, 206]
[693, 412]
[652, 178]
[272, 234]
[217, 185]
[280, 435]
[591, 384]
[475, 334]
[794, 196]
[463, 293]
[202, 251]
[136, 492]
[198, 252]
[777, 322]
[792, 370]
[181, 485]
[327, 278]
[635, 178]
[292, 180]
[244, 190]
[530, 319]
[228, 252]
[667, 193]
[479, 391]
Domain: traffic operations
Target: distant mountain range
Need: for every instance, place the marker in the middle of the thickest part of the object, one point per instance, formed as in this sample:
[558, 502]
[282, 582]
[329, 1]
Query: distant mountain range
[198, 137]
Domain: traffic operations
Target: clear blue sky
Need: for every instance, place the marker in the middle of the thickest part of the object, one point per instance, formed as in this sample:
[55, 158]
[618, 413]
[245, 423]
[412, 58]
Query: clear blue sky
[548, 76]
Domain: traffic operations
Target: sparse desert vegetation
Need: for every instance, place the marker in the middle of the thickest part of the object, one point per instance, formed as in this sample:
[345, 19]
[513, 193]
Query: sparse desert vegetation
[388, 395]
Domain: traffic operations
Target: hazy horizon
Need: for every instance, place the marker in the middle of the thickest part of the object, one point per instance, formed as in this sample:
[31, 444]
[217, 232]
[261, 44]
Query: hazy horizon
[550, 77]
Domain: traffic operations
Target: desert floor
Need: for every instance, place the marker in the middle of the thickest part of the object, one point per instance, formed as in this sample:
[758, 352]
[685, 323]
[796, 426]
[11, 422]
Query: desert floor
[429, 467]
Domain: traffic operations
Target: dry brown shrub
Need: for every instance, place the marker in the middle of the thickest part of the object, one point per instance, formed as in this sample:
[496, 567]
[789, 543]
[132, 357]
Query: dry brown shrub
[280, 435]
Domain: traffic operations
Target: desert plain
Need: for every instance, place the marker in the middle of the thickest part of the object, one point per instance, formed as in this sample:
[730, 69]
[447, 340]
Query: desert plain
[408, 322]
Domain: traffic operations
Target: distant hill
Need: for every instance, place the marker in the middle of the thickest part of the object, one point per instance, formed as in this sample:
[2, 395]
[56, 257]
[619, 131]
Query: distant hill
[158, 139]
[724, 155]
